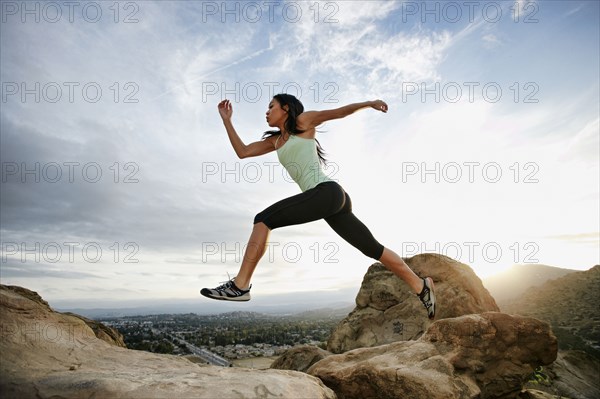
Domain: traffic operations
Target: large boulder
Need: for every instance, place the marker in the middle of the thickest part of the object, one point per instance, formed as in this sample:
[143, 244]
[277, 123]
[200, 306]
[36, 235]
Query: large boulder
[488, 355]
[300, 358]
[388, 311]
[48, 354]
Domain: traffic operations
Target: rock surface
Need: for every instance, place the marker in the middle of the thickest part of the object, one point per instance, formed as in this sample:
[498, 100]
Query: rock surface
[573, 375]
[388, 311]
[105, 333]
[48, 354]
[300, 358]
[488, 355]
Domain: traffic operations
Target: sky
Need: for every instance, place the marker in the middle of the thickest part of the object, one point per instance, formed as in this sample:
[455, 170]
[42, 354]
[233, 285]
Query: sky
[120, 186]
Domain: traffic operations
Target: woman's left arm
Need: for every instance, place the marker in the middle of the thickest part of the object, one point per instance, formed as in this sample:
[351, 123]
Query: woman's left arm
[311, 119]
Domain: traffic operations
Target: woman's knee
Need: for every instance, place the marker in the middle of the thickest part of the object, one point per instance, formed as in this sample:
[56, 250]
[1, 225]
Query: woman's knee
[261, 226]
[261, 221]
[374, 250]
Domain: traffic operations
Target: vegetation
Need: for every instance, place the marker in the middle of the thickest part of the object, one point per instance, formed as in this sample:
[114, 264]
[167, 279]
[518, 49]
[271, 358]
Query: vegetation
[141, 337]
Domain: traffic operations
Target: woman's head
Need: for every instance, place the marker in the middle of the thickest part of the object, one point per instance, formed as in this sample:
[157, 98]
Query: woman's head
[284, 108]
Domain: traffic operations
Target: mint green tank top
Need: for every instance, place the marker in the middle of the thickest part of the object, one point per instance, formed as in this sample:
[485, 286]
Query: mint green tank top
[299, 157]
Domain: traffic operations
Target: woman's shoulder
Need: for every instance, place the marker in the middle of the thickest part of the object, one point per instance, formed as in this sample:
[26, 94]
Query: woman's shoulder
[273, 140]
[304, 126]
[305, 118]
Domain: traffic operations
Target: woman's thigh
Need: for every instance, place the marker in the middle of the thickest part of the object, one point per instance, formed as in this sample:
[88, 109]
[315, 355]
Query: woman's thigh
[317, 203]
[351, 229]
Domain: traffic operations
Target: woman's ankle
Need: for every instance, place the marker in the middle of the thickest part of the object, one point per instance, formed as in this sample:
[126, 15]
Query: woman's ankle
[243, 287]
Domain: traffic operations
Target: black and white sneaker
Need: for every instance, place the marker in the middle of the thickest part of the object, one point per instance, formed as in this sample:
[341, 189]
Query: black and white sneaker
[227, 292]
[427, 297]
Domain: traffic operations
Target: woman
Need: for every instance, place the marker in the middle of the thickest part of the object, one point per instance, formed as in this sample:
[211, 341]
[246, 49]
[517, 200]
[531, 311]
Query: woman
[321, 198]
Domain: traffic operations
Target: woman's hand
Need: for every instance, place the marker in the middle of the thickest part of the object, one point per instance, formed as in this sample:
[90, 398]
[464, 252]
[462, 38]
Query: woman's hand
[225, 109]
[379, 105]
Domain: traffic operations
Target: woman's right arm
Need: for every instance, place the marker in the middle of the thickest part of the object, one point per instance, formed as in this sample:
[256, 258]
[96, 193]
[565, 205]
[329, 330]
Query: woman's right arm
[242, 150]
[310, 119]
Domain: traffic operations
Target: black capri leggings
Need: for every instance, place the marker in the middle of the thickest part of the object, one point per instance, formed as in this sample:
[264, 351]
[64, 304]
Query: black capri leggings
[327, 201]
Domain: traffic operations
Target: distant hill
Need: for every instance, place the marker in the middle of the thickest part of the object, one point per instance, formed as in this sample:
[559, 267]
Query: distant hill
[513, 282]
[570, 305]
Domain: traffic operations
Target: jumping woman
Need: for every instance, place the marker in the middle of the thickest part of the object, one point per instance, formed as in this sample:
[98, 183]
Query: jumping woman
[321, 198]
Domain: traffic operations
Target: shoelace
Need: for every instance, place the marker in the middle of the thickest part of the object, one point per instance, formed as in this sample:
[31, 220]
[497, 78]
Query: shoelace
[226, 284]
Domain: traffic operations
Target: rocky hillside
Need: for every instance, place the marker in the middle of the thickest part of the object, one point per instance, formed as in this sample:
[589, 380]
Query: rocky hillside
[571, 305]
[46, 354]
[573, 375]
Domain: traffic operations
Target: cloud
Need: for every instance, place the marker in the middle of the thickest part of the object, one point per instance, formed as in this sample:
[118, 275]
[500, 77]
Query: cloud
[583, 145]
[592, 239]
[491, 41]
[173, 133]
[359, 51]
[39, 271]
[574, 10]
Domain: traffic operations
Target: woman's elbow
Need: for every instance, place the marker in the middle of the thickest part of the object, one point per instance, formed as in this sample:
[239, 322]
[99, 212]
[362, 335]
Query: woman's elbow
[243, 153]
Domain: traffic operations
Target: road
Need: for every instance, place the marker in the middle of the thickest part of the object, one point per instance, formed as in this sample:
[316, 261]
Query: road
[206, 355]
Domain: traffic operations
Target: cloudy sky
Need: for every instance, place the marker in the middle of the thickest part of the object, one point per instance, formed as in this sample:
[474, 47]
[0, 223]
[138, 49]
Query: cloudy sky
[119, 182]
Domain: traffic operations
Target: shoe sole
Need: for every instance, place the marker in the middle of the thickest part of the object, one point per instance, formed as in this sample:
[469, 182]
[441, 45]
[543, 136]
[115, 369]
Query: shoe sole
[432, 295]
[224, 298]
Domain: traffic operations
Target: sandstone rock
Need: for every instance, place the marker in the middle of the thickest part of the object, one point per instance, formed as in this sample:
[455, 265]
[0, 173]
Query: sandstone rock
[488, 355]
[24, 298]
[105, 333]
[101, 331]
[48, 354]
[388, 311]
[300, 358]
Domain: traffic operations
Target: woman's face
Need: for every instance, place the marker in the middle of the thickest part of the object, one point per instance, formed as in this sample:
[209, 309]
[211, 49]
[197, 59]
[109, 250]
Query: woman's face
[276, 115]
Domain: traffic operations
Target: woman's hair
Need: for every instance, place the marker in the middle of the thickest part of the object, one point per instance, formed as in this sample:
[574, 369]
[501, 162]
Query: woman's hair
[295, 108]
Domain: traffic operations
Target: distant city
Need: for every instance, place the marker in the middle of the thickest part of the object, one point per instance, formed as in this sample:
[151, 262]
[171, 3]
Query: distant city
[220, 339]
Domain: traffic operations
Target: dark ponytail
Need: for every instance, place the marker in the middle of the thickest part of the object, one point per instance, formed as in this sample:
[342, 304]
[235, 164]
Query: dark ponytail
[295, 108]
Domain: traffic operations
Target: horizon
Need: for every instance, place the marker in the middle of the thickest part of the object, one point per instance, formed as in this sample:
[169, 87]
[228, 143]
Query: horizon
[271, 304]
[119, 182]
